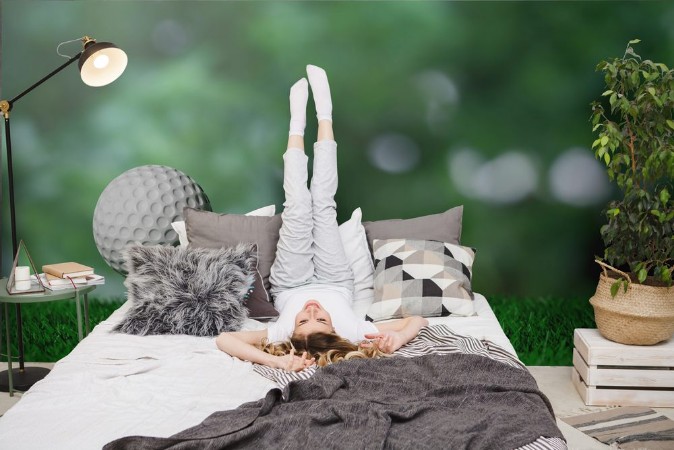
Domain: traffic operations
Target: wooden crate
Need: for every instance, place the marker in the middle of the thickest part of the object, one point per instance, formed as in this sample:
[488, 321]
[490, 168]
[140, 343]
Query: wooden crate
[607, 373]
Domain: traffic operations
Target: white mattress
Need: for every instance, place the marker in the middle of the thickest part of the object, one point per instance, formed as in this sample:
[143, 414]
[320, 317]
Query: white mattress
[113, 385]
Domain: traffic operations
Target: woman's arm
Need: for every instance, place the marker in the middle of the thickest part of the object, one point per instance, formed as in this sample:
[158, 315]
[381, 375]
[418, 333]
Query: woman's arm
[396, 333]
[241, 344]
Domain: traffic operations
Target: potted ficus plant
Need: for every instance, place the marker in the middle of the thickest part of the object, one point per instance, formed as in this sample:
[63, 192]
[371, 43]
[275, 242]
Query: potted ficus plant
[634, 128]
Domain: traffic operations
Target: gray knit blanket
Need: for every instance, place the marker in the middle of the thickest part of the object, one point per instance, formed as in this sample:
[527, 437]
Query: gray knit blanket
[434, 401]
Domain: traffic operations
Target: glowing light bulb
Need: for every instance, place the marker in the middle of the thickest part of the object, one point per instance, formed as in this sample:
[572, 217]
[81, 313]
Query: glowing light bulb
[101, 61]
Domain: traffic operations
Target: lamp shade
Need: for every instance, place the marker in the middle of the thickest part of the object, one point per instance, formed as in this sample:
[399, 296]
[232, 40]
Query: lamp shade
[101, 63]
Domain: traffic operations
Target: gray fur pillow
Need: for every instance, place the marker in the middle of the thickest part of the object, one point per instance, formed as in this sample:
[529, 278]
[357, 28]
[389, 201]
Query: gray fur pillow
[194, 291]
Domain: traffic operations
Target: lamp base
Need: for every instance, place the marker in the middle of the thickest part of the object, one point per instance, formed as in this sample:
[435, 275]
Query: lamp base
[22, 380]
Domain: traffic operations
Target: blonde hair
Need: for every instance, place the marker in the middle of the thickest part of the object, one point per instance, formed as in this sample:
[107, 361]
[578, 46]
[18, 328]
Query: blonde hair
[325, 348]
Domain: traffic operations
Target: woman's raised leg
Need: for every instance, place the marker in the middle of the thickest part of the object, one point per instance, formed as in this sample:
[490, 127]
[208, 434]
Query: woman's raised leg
[293, 265]
[330, 262]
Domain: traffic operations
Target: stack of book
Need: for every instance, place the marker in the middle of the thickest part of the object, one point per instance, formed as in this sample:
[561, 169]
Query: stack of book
[68, 275]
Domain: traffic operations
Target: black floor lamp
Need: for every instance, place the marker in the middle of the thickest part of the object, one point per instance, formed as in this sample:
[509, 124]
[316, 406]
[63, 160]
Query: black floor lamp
[100, 63]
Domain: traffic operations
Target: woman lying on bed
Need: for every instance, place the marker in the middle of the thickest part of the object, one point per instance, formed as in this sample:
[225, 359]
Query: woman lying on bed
[311, 280]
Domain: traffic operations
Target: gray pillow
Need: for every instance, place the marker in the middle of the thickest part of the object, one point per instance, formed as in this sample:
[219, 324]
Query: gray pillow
[191, 291]
[443, 227]
[211, 230]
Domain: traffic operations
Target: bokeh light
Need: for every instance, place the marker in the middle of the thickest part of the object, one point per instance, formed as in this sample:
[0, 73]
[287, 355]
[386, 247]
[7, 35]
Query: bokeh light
[506, 179]
[440, 96]
[393, 153]
[577, 178]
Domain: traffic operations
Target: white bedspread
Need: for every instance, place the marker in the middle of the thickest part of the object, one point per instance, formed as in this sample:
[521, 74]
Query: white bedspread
[113, 385]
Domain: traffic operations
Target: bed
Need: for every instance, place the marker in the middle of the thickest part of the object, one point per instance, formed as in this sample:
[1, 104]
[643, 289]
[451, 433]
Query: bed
[114, 385]
[124, 391]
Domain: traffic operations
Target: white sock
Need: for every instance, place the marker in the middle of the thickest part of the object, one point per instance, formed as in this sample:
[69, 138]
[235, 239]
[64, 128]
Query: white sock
[321, 92]
[299, 94]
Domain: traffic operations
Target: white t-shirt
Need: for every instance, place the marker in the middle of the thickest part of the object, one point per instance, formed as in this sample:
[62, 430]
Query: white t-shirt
[336, 300]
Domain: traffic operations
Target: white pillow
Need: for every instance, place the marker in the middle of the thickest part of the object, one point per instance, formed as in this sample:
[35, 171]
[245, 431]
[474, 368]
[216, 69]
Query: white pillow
[266, 211]
[179, 226]
[357, 251]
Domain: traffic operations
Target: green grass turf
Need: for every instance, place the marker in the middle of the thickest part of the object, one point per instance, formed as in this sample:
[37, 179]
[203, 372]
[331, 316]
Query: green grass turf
[540, 329]
[50, 329]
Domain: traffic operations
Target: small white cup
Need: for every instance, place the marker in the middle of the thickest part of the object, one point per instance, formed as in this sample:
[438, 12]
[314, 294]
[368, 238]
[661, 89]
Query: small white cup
[22, 273]
[22, 278]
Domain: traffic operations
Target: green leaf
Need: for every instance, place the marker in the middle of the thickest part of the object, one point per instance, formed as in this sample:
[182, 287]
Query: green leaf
[641, 275]
[604, 141]
[614, 288]
[594, 128]
[634, 41]
[664, 196]
[669, 122]
[596, 142]
[666, 276]
[609, 92]
[607, 159]
[651, 91]
[613, 211]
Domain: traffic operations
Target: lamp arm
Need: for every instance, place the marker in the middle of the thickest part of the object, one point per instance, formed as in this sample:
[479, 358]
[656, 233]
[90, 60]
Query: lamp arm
[8, 106]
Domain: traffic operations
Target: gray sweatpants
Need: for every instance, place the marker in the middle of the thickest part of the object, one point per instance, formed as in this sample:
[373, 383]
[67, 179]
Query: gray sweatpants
[309, 248]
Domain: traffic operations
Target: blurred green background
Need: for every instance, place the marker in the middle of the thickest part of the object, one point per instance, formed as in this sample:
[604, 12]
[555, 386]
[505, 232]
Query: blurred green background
[436, 104]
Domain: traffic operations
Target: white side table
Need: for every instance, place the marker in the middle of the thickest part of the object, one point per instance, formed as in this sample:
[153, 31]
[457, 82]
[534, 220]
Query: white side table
[21, 379]
[608, 373]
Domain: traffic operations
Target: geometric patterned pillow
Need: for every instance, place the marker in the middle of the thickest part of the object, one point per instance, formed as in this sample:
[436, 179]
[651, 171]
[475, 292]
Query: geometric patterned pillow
[421, 278]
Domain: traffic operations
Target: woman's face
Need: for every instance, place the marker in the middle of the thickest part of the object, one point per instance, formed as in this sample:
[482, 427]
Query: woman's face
[313, 319]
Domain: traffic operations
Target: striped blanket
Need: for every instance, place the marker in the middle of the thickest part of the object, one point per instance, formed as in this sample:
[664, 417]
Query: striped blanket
[435, 339]
[634, 427]
[456, 392]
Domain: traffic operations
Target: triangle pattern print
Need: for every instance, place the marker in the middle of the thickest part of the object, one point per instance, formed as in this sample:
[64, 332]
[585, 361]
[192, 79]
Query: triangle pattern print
[421, 277]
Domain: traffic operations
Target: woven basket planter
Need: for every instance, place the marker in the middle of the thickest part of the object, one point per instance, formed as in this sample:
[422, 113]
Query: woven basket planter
[644, 315]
